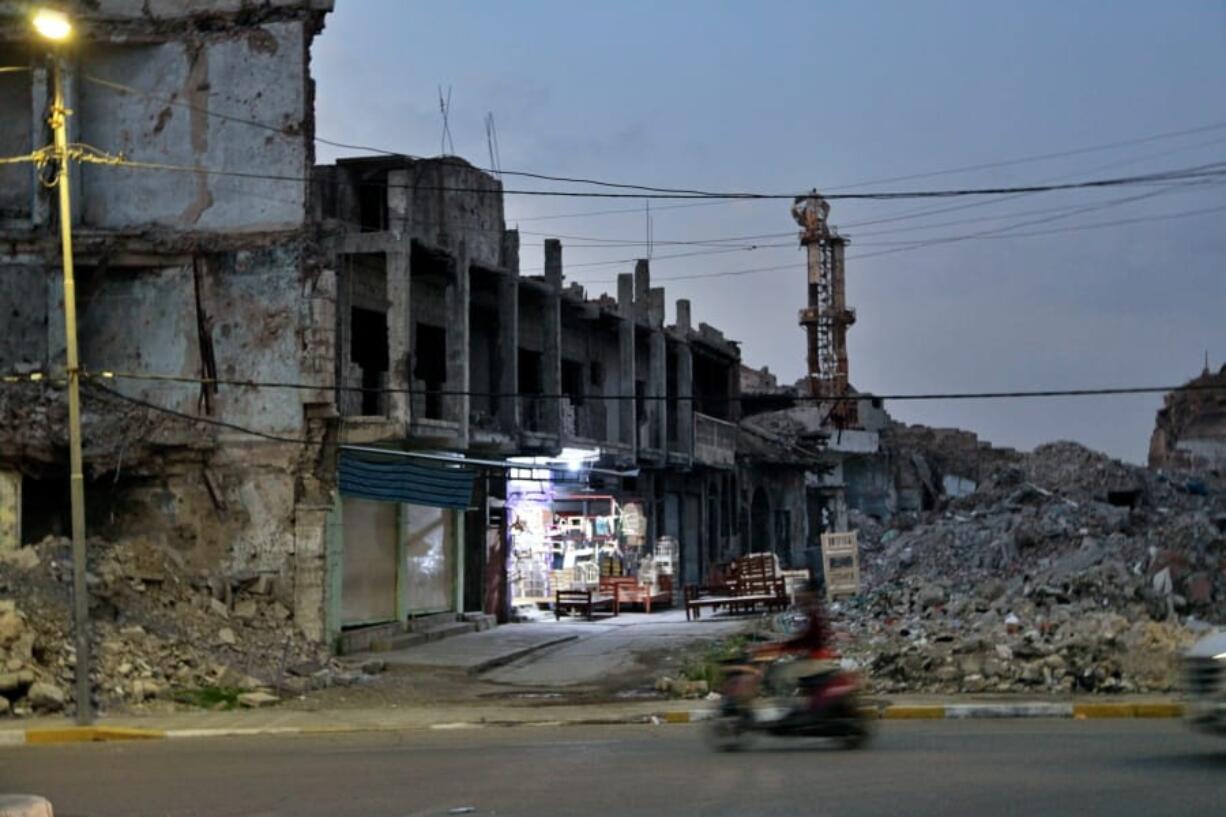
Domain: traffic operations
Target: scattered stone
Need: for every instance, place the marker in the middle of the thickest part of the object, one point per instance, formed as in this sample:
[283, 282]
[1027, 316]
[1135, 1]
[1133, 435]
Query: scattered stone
[11, 626]
[145, 689]
[930, 595]
[226, 636]
[245, 609]
[45, 697]
[23, 559]
[257, 700]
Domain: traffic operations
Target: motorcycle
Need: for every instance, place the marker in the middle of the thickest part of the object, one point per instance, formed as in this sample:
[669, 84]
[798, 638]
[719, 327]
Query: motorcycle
[824, 704]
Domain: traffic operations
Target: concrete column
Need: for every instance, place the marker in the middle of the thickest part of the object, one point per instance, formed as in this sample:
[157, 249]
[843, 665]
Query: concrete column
[10, 511]
[657, 389]
[457, 405]
[510, 250]
[344, 332]
[551, 359]
[508, 351]
[657, 371]
[626, 375]
[685, 393]
[310, 570]
[683, 316]
[509, 410]
[400, 203]
[40, 99]
[642, 284]
[399, 337]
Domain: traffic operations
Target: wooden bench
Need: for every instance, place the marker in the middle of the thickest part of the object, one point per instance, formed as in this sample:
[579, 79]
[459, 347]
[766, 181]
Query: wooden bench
[584, 600]
[750, 582]
[627, 590]
[699, 596]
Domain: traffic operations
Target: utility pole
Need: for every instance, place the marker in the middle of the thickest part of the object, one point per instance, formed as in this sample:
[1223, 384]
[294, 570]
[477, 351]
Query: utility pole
[57, 28]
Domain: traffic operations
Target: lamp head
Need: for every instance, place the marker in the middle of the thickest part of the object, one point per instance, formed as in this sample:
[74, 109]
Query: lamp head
[52, 25]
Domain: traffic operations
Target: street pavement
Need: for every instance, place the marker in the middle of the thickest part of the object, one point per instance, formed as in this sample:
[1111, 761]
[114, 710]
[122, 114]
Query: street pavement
[569, 652]
[1047, 767]
[620, 647]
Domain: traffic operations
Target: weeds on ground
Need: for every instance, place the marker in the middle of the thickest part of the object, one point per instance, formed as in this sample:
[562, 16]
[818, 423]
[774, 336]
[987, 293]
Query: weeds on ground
[209, 697]
[707, 666]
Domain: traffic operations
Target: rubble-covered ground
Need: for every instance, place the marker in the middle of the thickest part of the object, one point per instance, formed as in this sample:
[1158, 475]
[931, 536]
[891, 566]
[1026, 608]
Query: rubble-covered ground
[162, 637]
[1065, 571]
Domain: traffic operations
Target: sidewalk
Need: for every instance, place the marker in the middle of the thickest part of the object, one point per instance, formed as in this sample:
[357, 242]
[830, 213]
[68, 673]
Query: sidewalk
[200, 724]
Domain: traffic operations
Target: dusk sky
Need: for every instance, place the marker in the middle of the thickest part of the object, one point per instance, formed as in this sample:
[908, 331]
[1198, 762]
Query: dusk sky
[1037, 291]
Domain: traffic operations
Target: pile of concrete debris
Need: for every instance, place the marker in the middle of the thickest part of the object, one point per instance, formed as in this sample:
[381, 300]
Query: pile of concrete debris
[1065, 571]
[160, 635]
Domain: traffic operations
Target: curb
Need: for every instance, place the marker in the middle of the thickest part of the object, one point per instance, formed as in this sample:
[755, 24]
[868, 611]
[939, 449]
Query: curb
[88, 734]
[979, 711]
[515, 655]
[101, 734]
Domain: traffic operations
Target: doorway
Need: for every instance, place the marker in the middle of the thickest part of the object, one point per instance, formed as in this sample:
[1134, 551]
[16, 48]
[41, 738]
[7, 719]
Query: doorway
[368, 584]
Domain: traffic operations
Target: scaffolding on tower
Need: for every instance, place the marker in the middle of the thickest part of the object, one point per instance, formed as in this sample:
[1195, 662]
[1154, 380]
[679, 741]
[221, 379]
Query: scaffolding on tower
[826, 317]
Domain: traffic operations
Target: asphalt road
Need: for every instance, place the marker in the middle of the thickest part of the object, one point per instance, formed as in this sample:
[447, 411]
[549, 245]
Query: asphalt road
[1081, 768]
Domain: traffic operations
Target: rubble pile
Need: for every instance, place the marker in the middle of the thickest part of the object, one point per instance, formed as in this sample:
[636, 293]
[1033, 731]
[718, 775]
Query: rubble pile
[160, 635]
[1065, 571]
[34, 421]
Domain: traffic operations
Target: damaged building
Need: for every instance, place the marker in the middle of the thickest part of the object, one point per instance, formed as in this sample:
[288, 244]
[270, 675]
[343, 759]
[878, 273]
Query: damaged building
[189, 271]
[323, 375]
[1190, 429]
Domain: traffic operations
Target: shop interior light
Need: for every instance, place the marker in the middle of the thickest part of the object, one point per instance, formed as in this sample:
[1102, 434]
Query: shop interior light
[574, 458]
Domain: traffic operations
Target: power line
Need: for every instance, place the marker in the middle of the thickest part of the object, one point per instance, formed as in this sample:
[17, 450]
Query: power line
[1200, 171]
[926, 243]
[667, 191]
[1038, 157]
[906, 396]
[1057, 230]
[212, 421]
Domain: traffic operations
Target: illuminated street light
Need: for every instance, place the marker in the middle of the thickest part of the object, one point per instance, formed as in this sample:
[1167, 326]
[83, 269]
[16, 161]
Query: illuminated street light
[53, 25]
[56, 27]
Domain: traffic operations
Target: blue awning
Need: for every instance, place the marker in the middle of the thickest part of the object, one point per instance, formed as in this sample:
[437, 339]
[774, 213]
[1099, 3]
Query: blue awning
[399, 479]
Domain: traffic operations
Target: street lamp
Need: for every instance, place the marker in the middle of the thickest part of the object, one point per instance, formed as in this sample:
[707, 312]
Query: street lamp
[52, 25]
[55, 27]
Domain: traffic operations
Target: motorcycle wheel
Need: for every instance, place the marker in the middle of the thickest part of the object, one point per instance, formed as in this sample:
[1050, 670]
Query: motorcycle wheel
[727, 733]
[858, 734]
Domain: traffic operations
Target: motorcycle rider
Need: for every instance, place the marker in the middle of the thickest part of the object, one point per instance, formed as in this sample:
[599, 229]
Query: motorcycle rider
[805, 654]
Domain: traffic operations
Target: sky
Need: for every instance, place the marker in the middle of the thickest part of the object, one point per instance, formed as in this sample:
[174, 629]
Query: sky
[1114, 287]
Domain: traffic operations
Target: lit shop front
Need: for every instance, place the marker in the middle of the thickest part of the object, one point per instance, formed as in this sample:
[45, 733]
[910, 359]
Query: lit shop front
[565, 534]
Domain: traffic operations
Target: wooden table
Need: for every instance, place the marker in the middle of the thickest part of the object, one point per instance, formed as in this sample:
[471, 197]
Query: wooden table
[584, 600]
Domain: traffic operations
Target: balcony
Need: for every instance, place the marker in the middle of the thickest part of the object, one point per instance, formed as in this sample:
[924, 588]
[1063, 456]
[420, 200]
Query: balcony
[714, 441]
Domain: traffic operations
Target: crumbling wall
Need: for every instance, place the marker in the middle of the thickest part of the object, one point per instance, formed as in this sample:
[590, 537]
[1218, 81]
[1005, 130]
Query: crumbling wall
[183, 274]
[238, 73]
[1190, 429]
[448, 202]
[16, 180]
[869, 485]
[23, 317]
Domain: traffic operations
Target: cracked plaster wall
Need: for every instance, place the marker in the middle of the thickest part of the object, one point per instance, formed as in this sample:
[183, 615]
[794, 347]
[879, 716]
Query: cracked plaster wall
[238, 74]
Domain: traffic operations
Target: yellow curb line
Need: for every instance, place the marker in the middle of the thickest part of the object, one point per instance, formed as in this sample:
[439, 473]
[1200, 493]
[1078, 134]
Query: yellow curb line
[90, 734]
[914, 713]
[1084, 711]
[1160, 710]
[677, 717]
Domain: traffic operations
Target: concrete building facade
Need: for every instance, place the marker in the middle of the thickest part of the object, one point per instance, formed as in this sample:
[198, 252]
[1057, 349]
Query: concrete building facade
[259, 333]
